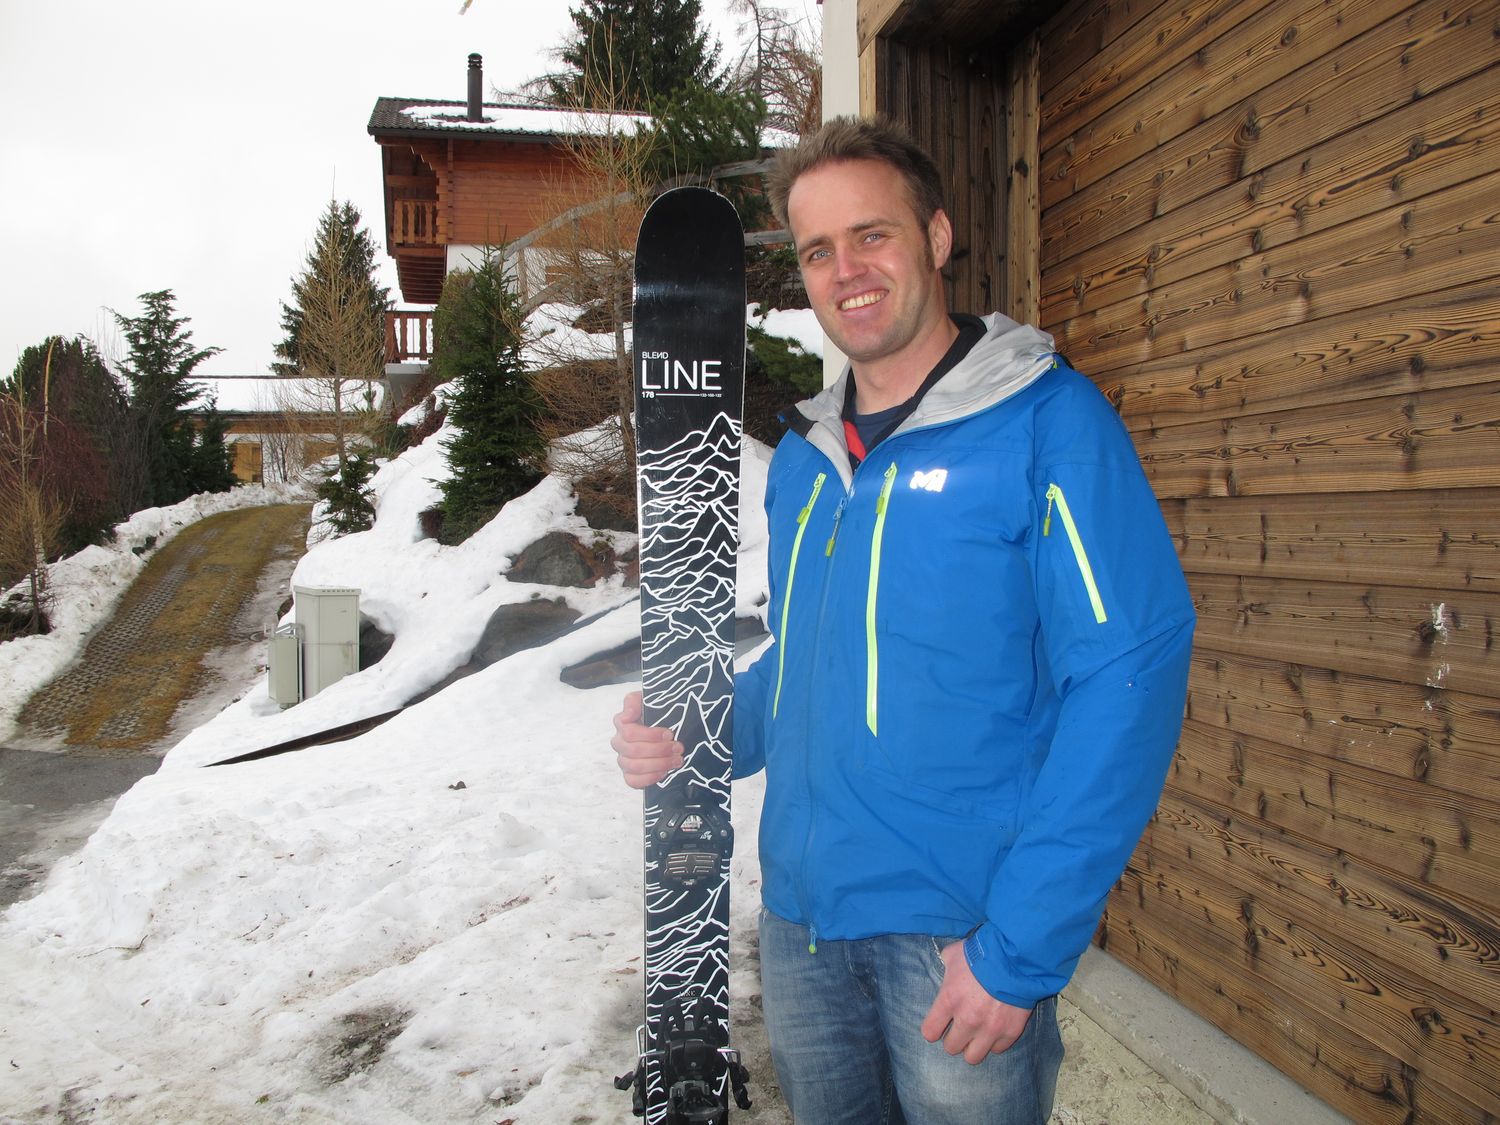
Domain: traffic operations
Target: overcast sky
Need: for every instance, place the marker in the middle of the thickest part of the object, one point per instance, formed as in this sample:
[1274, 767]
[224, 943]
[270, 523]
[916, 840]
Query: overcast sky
[191, 145]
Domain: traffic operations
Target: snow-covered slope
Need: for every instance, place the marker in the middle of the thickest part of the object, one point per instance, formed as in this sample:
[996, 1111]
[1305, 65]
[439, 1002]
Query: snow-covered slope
[437, 921]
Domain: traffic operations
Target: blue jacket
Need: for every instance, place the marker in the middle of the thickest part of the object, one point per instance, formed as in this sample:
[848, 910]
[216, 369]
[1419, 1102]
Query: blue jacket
[980, 656]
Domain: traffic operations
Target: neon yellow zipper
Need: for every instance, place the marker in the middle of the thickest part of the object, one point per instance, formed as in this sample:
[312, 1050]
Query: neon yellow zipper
[1055, 494]
[872, 649]
[791, 575]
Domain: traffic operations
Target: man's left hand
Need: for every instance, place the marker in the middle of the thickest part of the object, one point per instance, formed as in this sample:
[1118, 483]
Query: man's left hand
[968, 1020]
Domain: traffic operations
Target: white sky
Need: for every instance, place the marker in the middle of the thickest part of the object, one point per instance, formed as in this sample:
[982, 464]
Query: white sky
[184, 145]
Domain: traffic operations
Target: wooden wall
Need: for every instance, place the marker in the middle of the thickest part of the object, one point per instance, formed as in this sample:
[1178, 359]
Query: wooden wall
[488, 192]
[1270, 231]
[955, 101]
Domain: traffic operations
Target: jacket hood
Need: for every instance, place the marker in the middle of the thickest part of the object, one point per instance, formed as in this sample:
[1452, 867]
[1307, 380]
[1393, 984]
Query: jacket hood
[1008, 358]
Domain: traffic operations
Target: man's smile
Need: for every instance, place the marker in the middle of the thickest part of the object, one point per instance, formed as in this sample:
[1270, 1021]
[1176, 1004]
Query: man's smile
[863, 299]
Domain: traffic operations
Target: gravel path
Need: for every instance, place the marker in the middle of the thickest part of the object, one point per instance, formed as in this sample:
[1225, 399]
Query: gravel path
[150, 657]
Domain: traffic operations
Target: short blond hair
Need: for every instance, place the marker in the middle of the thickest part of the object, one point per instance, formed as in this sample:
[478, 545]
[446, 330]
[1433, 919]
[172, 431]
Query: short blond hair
[854, 138]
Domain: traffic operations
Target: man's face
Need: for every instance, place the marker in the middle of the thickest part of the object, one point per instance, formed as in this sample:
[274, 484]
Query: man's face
[870, 266]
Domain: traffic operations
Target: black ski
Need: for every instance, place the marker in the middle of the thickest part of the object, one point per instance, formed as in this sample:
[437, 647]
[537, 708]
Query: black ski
[689, 353]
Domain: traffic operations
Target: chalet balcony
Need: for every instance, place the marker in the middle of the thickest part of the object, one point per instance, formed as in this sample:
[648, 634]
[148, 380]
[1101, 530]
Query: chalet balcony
[408, 336]
[414, 222]
[408, 351]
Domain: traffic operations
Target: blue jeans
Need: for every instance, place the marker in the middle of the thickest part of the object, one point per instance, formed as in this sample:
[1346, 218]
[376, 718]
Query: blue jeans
[845, 1025]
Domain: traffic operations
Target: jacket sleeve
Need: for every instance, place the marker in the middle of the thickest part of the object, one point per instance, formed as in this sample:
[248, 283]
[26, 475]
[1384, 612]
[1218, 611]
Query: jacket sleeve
[1115, 636]
[1098, 788]
[750, 687]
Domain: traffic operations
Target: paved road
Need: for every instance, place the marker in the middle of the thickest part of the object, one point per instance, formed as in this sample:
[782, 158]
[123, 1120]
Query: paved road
[213, 588]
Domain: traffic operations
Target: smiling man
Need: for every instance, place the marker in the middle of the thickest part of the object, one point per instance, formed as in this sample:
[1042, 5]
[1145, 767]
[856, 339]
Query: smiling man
[981, 642]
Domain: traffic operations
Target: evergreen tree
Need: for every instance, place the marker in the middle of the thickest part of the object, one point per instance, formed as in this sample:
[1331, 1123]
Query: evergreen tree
[496, 452]
[346, 492]
[212, 464]
[701, 127]
[638, 49]
[335, 348]
[159, 372]
[338, 227]
[89, 454]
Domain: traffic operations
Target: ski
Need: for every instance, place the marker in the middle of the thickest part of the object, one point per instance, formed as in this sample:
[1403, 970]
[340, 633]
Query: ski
[689, 357]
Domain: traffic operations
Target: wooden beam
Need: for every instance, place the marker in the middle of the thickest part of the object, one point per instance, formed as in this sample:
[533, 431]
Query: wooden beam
[1023, 213]
[1446, 739]
[873, 17]
[949, 21]
[1443, 641]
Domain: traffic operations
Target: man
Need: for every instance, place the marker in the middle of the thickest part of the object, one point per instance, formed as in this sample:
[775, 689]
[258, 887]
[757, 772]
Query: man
[981, 642]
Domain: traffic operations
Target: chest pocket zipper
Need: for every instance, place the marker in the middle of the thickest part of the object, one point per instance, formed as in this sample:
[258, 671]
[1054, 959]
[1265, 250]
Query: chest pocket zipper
[791, 577]
[872, 646]
[1055, 495]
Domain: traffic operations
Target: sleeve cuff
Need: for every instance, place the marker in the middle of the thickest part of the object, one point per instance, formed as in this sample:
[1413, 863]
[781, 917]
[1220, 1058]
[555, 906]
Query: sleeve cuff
[990, 969]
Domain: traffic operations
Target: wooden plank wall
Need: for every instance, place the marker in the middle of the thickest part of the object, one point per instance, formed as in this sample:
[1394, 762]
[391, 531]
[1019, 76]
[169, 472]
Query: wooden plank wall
[954, 99]
[503, 190]
[1271, 233]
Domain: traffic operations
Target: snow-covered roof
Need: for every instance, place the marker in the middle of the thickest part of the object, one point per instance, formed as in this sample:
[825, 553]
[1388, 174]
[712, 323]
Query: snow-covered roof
[407, 115]
[519, 122]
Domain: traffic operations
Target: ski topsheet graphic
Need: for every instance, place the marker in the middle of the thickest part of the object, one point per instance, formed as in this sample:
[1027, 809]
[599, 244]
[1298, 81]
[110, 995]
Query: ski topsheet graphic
[689, 345]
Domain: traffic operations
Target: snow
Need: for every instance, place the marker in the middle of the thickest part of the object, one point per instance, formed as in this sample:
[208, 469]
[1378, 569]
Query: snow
[523, 119]
[548, 122]
[800, 325]
[436, 921]
[87, 585]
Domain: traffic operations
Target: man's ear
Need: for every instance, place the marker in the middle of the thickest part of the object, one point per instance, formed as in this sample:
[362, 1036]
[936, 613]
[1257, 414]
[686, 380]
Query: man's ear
[940, 238]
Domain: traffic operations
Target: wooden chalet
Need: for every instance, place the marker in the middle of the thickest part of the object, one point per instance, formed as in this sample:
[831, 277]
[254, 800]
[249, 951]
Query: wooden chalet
[1270, 231]
[460, 176]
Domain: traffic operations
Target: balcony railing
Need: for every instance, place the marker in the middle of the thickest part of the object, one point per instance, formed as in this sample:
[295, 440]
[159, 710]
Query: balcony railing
[408, 336]
[414, 222]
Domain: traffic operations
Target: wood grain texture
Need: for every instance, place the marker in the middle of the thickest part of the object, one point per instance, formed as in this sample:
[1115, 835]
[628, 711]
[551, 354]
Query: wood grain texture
[1445, 738]
[1438, 439]
[956, 103]
[1445, 540]
[1023, 272]
[1410, 635]
[1437, 143]
[1435, 842]
[1128, 64]
[1275, 65]
[1270, 232]
[1448, 239]
[1304, 975]
[1404, 346]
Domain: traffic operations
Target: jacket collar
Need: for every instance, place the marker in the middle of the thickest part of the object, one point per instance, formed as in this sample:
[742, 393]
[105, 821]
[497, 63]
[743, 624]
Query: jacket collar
[1006, 360]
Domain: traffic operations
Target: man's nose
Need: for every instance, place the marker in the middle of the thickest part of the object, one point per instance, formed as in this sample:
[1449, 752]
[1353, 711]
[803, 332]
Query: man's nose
[846, 263]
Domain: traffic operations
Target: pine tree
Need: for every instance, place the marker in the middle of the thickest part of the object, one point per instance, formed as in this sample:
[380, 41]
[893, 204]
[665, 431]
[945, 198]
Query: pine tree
[640, 49]
[335, 348]
[496, 452]
[159, 372]
[701, 127]
[338, 226]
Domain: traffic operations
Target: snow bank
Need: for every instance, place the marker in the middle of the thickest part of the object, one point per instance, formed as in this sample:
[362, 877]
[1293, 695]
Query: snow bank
[85, 587]
[438, 920]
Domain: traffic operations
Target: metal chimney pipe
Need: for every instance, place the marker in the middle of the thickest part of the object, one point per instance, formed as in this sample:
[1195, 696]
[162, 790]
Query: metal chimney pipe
[476, 88]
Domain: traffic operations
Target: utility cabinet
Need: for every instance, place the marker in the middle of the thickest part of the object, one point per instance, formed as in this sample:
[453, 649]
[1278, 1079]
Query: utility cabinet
[284, 657]
[328, 617]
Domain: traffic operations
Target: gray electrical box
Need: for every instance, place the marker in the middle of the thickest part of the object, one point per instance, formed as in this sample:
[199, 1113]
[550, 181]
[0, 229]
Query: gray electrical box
[284, 658]
[329, 619]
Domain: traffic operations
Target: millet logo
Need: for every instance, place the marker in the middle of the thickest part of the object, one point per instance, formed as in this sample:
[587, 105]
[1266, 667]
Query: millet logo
[930, 481]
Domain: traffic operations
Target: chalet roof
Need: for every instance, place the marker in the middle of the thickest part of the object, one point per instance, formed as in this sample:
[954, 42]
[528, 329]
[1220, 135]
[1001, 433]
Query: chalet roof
[419, 117]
